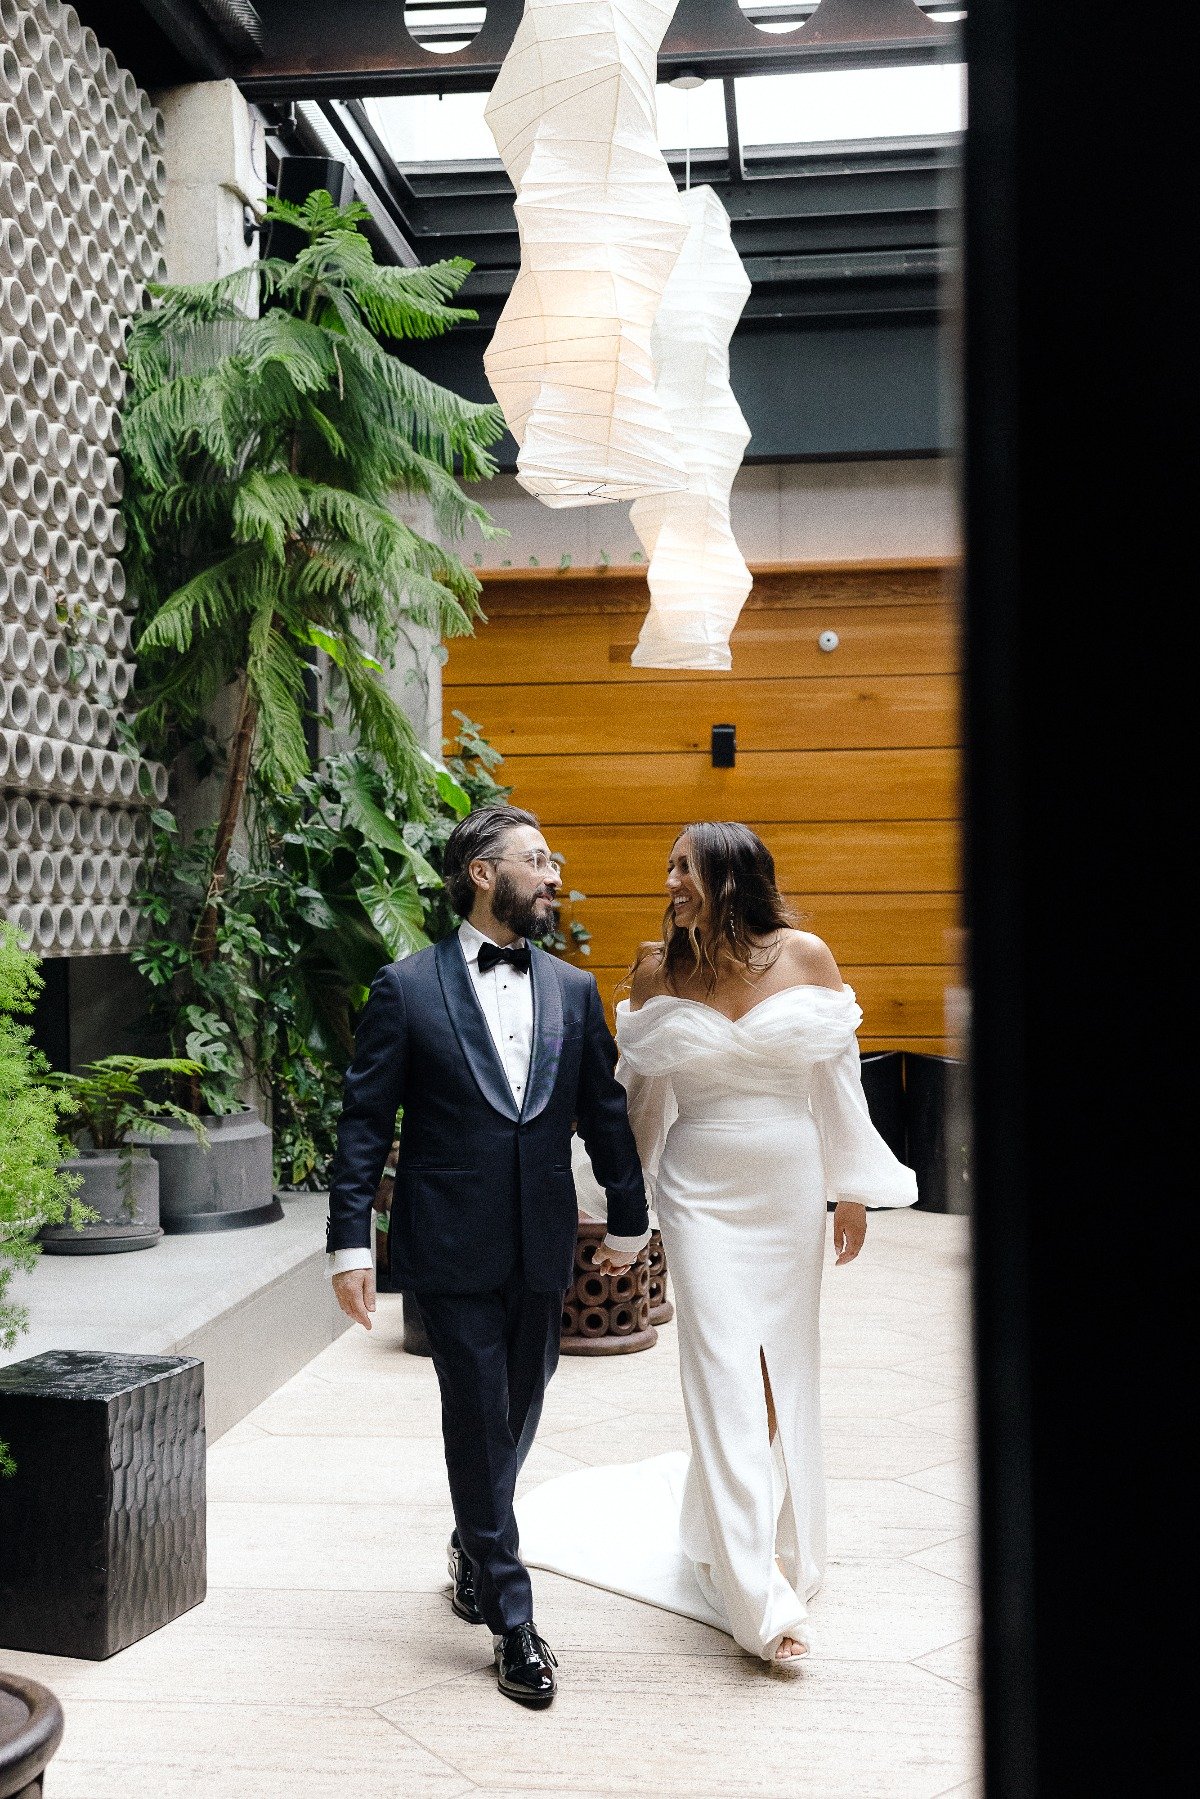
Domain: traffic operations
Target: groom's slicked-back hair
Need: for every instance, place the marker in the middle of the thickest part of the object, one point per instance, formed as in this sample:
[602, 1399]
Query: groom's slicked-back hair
[477, 837]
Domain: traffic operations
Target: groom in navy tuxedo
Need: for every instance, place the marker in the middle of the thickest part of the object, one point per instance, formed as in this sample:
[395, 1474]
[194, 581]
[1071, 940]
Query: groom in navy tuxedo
[496, 1052]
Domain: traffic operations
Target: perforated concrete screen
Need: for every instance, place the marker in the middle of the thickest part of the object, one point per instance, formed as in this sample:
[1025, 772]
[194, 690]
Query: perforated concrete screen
[81, 232]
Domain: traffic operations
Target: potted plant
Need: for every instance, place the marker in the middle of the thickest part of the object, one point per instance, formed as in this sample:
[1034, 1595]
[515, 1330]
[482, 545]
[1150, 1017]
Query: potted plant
[119, 1179]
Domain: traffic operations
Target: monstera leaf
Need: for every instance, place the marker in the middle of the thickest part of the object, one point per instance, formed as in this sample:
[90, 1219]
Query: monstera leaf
[394, 907]
[364, 812]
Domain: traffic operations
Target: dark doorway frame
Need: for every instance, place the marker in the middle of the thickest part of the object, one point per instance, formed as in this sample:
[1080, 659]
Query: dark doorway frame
[1079, 352]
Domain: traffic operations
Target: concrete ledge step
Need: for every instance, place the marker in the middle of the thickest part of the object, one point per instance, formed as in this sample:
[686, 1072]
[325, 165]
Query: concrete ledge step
[255, 1305]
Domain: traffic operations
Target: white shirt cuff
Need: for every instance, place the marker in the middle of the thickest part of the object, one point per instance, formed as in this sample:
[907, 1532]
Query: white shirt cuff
[342, 1260]
[627, 1246]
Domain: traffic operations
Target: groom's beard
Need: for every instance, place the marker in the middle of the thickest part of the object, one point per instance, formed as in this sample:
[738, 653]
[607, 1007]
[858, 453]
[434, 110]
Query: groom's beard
[526, 915]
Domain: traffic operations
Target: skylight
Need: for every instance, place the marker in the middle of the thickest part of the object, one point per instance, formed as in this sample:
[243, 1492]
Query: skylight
[691, 118]
[420, 128]
[848, 105]
[829, 106]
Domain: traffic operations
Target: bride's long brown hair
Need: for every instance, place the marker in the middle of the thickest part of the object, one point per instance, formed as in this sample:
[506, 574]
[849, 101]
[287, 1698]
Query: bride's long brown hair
[735, 874]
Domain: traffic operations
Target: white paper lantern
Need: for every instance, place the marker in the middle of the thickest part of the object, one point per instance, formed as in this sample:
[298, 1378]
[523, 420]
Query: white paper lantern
[601, 225]
[698, 579]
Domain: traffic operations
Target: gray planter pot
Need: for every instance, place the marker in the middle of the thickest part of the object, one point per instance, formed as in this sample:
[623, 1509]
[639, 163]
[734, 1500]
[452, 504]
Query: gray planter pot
[31, 1727]
[128, 1211]
[221, 1188]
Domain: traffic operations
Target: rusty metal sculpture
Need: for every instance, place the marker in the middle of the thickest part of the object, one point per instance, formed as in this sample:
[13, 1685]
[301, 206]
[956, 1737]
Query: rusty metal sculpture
[661, 1309]
[606, 1314]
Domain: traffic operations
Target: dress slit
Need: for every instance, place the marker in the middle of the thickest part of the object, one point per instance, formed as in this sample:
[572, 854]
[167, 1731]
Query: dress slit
[786, 1534]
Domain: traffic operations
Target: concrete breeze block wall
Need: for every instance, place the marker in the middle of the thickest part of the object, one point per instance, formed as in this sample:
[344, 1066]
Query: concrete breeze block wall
[82, 181]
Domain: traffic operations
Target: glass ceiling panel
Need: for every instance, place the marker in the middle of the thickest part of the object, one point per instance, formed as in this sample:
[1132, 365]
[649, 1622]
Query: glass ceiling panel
[848, 105]
[420, 128]
[433, 128]
[830, 106]
[691, 118]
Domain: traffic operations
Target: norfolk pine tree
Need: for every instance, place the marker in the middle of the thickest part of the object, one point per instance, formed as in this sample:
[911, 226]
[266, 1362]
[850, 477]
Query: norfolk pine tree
[260, 455]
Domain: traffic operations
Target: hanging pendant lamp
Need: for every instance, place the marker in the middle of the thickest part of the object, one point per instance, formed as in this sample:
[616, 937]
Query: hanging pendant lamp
[601, 225]
[698, 578]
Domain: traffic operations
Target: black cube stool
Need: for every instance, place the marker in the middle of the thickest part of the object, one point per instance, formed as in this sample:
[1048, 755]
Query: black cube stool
[102, 1526]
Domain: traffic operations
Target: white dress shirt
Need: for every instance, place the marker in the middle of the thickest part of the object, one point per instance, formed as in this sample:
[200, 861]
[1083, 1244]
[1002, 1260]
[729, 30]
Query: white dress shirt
[505, 996]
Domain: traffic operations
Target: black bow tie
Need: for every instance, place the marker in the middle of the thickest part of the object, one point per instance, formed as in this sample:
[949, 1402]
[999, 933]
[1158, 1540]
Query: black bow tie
[515, 954]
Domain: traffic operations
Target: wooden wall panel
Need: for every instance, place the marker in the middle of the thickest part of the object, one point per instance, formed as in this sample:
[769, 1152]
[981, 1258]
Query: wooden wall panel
[904, 1003]
[883, 928]
[847, 761]
[896, 640]
[861, 856]
[772, 785]
[658, 717]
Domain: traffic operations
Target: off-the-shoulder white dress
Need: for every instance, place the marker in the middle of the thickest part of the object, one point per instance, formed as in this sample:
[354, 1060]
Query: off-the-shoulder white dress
[745, 1129]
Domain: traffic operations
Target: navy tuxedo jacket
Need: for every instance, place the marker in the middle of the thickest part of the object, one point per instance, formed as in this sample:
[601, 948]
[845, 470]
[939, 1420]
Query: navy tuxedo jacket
[483, 1186]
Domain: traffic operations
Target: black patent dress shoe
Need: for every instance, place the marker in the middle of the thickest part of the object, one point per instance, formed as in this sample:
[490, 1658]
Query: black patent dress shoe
[525, 1667]
[462, 1586]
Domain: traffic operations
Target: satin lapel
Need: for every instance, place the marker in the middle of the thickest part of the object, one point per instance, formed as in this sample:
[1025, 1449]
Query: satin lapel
[547, 1033]
[471, 1028]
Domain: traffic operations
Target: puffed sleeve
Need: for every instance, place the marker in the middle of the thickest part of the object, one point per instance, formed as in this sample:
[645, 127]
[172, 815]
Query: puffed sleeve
[652, 1111]
[858, 1163]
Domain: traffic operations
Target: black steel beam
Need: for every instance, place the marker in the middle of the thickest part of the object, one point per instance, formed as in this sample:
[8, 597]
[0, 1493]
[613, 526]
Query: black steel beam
[314, 50]
[733, 133]
[839, 193]
[825, 234]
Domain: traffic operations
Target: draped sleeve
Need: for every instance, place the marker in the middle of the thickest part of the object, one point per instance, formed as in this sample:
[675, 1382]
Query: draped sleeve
[858, 1163]
[652, 1112]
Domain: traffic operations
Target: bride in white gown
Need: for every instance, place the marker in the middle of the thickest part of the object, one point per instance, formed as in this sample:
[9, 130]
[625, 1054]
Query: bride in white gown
[739, 1056]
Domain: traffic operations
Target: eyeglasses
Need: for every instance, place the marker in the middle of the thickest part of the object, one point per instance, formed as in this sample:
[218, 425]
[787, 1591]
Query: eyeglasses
[541, 861]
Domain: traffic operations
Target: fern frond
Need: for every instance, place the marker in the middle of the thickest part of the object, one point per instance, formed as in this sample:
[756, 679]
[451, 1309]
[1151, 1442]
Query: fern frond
[275, 675]
[302, 349]
[267, 509]
[383, 728]
[214, 597]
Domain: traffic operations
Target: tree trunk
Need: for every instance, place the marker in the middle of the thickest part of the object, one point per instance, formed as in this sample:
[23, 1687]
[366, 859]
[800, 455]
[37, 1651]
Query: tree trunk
[236, 776]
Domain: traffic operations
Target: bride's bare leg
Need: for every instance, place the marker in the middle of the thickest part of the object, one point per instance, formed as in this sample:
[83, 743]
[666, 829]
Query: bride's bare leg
[772, 1422]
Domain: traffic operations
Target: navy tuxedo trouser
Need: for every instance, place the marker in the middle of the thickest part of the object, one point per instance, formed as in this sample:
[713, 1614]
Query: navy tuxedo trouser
[494, 1354]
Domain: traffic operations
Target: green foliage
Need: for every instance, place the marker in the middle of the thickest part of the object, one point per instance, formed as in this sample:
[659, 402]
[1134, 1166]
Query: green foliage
[205, 1012]
[109, 1104]
[33, 1192]
[350, 879]
[343, 875]
[261, 454]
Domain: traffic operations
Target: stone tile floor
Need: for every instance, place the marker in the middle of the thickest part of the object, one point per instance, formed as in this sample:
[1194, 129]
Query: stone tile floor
[326, 1661]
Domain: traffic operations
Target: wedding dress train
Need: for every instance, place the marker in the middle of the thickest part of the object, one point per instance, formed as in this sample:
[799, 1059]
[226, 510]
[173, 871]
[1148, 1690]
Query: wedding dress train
[745, 1130]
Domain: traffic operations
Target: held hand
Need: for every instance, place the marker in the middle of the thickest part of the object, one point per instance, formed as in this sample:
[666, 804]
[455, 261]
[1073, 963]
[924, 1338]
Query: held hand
[849, 1230]
[355, 1293]
[612, 1261]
